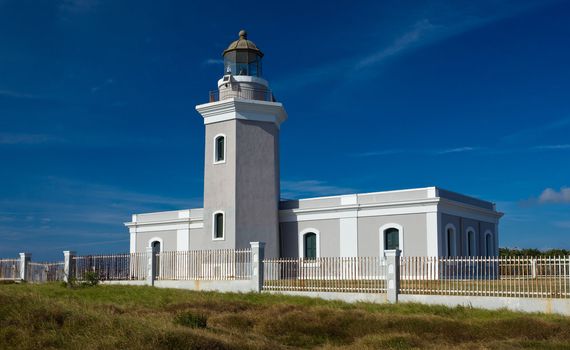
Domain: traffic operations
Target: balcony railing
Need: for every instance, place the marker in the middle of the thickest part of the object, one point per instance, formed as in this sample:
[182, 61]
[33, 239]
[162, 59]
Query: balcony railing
[242, 92]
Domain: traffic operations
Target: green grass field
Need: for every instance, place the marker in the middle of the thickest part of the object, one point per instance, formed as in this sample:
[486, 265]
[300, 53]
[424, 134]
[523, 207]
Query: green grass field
[52, 316]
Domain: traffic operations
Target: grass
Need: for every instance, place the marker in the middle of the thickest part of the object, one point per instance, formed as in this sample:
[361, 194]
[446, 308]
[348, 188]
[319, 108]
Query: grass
[51, 316]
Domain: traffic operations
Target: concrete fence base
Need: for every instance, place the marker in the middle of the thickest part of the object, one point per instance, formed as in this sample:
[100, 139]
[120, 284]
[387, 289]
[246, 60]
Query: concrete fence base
[234, 286]
[549, 306]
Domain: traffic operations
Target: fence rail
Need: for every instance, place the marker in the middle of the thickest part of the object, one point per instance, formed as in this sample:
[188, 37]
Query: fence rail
[353, 274]
[242, 92]
[112, 267]
[223, 264]
[547, 277]
[45, 272]
[9, 269]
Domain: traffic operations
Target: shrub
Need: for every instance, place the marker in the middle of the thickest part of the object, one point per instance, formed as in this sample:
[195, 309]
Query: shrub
[91, 279]
[191, 320]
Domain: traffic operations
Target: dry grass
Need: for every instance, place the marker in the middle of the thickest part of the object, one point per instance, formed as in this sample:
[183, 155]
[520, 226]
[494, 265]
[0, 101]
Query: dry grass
[105, 317]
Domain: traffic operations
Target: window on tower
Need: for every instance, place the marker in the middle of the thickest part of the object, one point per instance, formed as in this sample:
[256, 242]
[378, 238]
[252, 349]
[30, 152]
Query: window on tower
[219, 149]
[218, 225]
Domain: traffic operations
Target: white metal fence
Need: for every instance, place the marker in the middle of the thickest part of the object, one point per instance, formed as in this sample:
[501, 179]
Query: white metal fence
[112, 267]
[527, 277]
[222, 264]
[9, 269]
[45, 272]
[334, 274]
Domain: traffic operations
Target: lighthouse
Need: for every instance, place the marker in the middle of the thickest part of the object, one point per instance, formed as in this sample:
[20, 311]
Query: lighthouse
[241, 161]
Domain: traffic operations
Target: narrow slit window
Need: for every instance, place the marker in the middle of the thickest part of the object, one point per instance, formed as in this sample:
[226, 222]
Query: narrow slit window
[220, 147]
[471, 243]
[489, 244]
[450, 242]
[219, 226]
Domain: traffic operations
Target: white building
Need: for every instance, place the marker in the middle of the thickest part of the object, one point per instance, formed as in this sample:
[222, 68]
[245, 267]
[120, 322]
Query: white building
[242, 193]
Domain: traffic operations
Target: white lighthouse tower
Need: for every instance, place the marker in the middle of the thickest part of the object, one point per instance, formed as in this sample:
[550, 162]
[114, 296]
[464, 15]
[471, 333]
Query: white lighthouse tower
[241, 164]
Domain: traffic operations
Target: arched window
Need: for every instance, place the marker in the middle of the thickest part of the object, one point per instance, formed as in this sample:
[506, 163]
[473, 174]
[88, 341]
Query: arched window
[489, 244]
[450, 238]
[471, 243]
[219, 149]
[218, 226]
[391, 239]
[391, 236]
[155, 247]
[310, 245]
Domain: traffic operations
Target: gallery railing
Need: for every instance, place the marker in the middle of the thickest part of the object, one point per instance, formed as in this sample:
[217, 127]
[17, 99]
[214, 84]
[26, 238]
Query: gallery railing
[243, 93]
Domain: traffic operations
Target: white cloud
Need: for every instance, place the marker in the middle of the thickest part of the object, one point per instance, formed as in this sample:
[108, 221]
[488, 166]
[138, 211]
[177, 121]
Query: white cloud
[550, 195]
[311, 188]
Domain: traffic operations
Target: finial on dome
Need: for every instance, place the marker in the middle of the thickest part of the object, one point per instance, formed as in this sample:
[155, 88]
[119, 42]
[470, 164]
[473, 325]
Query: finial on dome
[242, 34]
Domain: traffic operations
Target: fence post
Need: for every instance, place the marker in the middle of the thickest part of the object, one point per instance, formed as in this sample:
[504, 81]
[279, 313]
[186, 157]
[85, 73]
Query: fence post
[257, 256]
[392, 274]
[150, 266]
[69, 265]
[533, 267]
[25, 258]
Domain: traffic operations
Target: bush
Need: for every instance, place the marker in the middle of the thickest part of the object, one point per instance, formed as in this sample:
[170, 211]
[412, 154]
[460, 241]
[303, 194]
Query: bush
[191, 320]
[91, 279]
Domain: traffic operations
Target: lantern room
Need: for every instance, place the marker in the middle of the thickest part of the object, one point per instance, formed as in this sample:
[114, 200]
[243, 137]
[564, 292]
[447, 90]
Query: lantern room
[242, 57]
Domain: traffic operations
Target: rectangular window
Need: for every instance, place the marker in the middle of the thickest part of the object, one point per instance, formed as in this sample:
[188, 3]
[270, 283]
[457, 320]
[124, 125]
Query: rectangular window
[310, 246]
[219, 226]
[220, 149]
[391, 239]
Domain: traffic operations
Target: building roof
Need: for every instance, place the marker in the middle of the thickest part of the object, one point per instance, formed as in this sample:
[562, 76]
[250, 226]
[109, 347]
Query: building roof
[243, 44]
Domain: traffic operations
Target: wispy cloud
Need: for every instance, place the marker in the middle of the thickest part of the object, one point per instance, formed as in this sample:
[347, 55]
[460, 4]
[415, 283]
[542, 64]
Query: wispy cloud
[423, 32]
[214, 61]
[106, 83]
[26, 139]
[549, 196]
[457, 150]
[16, 95]
[465, 149]
[297, 189]
[553, 147]
[78, 6]
[433, 152]
[562, 224]
[64, 212]
[419, 31]
[537, 131]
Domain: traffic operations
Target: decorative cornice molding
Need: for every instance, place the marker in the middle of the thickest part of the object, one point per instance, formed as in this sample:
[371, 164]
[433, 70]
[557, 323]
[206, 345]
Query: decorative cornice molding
[237, 108]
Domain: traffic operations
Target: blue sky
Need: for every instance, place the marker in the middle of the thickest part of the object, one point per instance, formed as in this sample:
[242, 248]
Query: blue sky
[97, 116]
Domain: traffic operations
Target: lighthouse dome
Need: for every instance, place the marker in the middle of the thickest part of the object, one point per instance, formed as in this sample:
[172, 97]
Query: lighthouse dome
[242, 57]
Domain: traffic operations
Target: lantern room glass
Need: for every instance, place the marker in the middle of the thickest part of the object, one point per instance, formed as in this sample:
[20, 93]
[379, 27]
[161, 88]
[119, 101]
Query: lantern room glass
[242, 62]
